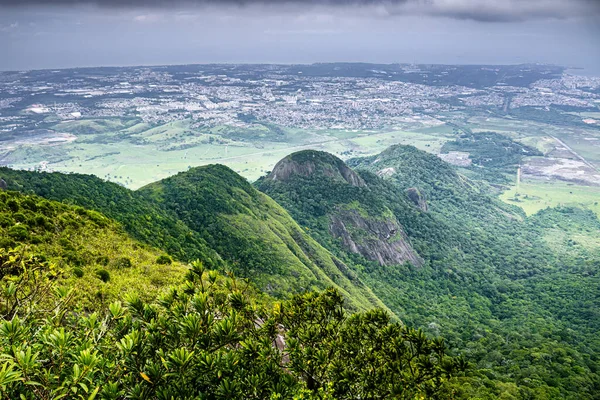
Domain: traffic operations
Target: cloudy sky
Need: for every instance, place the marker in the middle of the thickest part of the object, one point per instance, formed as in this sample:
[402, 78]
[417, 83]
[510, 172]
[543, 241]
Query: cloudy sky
[66, 33]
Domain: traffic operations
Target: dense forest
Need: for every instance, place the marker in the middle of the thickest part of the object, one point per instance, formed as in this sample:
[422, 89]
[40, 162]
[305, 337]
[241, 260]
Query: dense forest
[79, 319]
[502, 288]
[392, 276]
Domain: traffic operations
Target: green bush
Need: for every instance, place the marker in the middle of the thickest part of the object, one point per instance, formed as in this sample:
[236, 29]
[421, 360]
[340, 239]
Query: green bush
[41, 221]
[78, 272]
[203, 341]
[6, 220]
[19, 232]
[164, 260]
[122, 262]
[13, 205]
[103, 274]
[7, 243]
[19, 217]
[29, 204]
[102, 260]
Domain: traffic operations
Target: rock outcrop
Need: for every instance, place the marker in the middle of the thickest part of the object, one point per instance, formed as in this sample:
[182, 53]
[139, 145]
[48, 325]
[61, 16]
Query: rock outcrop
[3, 184]
[415, 195]
[377, 239]
[310, 163]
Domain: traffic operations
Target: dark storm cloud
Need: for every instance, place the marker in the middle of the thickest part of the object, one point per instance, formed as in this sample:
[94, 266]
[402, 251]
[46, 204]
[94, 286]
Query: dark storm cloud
[478, 10]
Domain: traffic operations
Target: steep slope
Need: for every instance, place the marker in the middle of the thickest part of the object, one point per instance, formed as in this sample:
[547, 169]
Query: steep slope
[222, 221]
[86, 250]
[487, 271]
[254, 234]
[142, 220]
[323, 193]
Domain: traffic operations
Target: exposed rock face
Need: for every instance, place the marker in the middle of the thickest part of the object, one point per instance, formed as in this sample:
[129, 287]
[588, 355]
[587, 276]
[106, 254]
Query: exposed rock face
[3, 184]
[417, 197]
[386, 172]
[381, 240]
[309, 162]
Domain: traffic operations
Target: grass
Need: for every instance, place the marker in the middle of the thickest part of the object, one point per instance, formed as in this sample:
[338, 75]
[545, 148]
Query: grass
[572, 242]
[543, 144]
[378, 142]
[134, 154]
[514, 128]
[533, 196]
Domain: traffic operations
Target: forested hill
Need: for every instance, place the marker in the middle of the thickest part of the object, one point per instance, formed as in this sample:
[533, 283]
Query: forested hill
[491, 278]
[87, 312]
[140, 218]
[404, 231]
[213, 214]
[254, 234]
[340, 208]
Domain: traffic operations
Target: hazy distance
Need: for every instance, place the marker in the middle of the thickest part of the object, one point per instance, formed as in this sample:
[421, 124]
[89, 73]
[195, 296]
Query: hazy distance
[70, 33]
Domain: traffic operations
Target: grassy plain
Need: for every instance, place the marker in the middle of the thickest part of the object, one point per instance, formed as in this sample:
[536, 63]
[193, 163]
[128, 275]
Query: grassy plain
[133, 153]
[532, 196]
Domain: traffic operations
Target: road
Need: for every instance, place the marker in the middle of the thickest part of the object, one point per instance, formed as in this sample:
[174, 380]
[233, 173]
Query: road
[586, 162]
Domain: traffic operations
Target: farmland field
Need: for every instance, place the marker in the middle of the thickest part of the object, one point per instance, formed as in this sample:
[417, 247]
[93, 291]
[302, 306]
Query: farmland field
[533, 196]
[135, 154]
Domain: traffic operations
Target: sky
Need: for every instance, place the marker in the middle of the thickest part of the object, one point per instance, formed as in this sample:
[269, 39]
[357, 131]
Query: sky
[38, 34]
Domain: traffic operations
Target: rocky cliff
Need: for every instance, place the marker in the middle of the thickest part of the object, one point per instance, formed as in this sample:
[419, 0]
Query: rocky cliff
[418, 199]
[380, 239]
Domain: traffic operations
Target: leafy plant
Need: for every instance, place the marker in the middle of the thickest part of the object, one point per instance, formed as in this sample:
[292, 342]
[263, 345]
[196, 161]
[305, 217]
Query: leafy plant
[210, 338]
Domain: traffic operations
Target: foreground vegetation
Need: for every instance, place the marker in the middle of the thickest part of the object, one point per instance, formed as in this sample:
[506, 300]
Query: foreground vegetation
[209, 338]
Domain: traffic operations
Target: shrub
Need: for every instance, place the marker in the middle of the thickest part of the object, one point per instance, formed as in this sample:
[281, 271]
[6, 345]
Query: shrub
[6, 243]
[13, 205]
[6, 220]
[199, 345]
[103, 274]
[78, 272]
[41, 221]
[29, 204]
[19, 217]
[73, 258]
[102, 260]
[122, 262]
[19, 232]
[164, 260]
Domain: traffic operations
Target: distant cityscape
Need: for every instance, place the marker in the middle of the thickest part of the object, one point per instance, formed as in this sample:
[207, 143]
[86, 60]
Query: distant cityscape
[134, 125]
[240, 96]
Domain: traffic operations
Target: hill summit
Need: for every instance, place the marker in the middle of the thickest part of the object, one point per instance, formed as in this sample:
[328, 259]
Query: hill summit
[323, 193]
[310, 163]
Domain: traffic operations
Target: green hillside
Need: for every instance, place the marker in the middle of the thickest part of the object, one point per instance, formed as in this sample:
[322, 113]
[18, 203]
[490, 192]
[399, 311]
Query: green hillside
[82, 249]
[517, 296]
[142, 220]
[484, 268]
[86, 312]
[213, 214]
[254, 234]
[340, 208]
